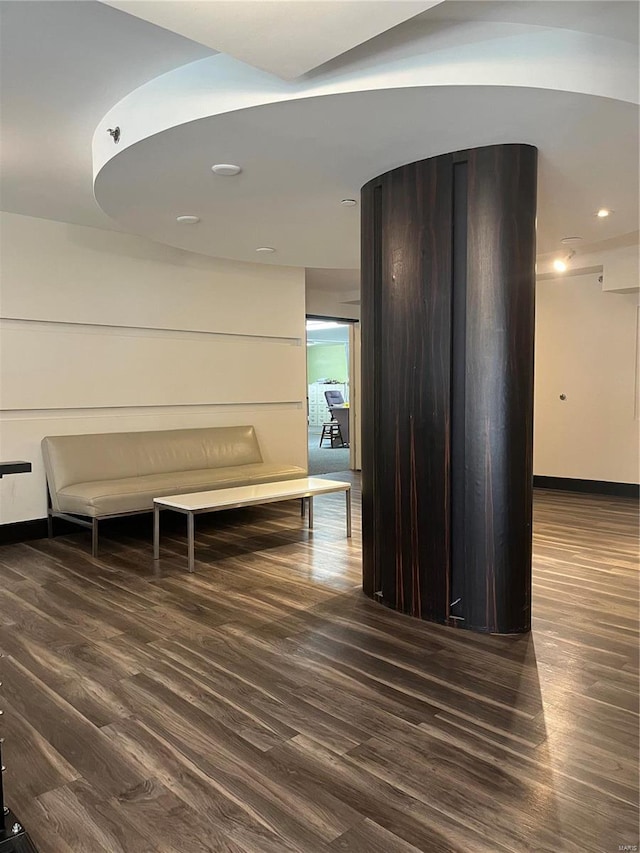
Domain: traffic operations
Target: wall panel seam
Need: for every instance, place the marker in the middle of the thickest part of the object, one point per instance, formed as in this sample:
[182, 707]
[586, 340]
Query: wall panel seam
[115, 330]
[141, 411]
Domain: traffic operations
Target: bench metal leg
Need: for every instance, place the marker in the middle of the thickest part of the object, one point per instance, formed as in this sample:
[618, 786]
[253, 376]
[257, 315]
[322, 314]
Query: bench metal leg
[94, 537]
[156, 532]
[302, 500]
[49, 525]
[310, 501]
[191, 541]
[348, 500]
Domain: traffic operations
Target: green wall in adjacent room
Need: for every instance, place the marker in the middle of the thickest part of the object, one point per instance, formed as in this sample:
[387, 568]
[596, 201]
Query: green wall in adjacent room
[327, 361]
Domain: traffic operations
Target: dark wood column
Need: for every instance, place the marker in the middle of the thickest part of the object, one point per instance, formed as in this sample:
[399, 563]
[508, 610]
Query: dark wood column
[448, 253]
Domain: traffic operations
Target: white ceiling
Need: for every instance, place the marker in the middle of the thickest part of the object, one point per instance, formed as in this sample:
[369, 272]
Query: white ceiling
[337, 333]
[302, 157]
[617, 19]
[64, 65]
[333, 280]
[284, 37]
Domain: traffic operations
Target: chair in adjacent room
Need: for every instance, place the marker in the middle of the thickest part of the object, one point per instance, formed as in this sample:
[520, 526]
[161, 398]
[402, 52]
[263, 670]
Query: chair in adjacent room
[332, 430]
[340, 414]
[334, 398]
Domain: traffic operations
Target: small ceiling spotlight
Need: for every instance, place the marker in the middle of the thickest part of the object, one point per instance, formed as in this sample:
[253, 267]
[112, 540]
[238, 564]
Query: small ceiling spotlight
[604, 212]
[561, 264]
[348, 202]
[227, 170]
[265, 250]
[567, 241]
[187, 220]
[114, 132]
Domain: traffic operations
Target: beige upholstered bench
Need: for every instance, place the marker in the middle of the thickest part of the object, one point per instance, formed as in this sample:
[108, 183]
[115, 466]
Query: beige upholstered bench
[105, 475]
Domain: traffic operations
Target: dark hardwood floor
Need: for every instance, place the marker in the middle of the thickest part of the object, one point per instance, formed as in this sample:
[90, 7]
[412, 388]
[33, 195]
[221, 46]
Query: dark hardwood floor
[265, 705]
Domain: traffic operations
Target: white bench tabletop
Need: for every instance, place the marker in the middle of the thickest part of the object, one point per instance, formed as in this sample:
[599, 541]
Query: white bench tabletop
[247, 495]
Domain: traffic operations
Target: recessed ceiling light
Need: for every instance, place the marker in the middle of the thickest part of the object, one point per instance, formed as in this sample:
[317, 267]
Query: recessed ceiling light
[187, 220]
[604, 212]
[226, 169]
[568, 240]
[348, 202]
[265, 250]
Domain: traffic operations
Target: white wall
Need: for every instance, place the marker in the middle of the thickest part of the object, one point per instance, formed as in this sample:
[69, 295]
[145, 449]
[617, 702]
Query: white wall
[586, 348]
[620, 269]
[102, 331]
[323, 303]
[333, 293]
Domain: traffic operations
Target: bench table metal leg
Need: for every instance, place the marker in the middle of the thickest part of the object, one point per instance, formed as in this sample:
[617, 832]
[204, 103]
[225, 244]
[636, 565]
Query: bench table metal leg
[310, 502]
[156, 532]
[302, 500]
[348, 500]
[191, 541]
[94, 537]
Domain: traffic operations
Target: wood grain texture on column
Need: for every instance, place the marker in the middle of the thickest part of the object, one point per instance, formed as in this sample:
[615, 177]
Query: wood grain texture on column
[448, 249]
[406, 372]
[370, 332]
[499, 387]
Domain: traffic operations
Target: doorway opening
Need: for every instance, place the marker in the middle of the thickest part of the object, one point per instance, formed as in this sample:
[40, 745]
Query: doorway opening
[330, 392]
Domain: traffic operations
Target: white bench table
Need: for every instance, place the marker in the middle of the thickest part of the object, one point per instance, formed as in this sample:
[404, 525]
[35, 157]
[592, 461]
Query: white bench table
[194, 504]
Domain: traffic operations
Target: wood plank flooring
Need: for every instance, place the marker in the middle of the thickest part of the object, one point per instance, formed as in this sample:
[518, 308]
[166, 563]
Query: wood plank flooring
[264, 705]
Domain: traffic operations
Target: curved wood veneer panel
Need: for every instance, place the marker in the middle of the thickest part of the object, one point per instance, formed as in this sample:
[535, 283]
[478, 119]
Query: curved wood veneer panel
[448, 276]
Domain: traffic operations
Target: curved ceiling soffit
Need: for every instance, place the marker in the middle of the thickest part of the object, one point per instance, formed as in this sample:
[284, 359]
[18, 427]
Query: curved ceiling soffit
[179, 105]
[513, 55]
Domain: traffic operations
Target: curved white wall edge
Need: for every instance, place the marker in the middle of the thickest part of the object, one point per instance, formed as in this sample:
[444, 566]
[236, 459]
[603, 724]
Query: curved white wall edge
[479, 55]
